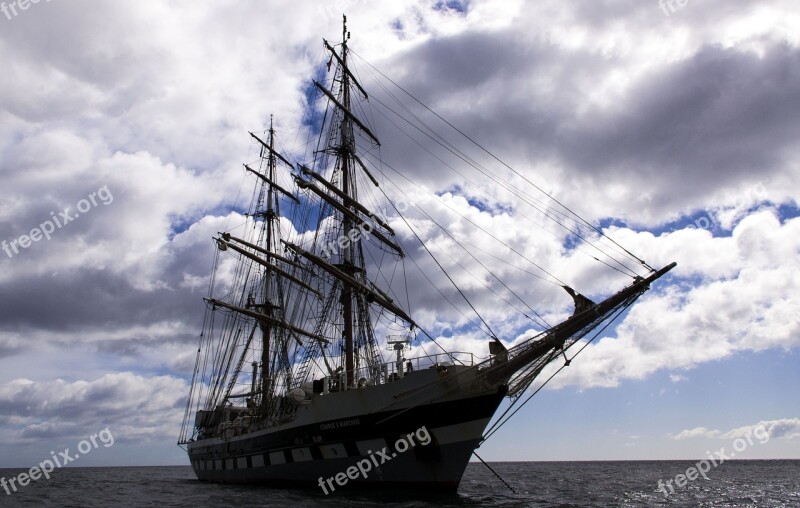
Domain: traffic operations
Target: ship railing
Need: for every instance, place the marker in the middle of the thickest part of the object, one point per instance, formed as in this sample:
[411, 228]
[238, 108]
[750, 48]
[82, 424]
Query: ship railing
[394, 370]
[388, 372]
[440, 359]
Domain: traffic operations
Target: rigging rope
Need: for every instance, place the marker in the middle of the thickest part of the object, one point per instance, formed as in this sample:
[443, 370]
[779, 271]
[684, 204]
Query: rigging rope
[501, 421]
[555, 280]
[489, 328]
[494, 472]
[572, 213]
[450, 235]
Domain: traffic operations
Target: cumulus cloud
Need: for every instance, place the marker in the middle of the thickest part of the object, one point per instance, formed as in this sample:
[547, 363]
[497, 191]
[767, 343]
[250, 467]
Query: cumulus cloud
[788, 428]
[747, 301]
[696, 432]
[137, 407]
[641, 122]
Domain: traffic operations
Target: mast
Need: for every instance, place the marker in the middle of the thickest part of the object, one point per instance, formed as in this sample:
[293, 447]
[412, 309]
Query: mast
[356, 295]
[346, 149]
[271, 216]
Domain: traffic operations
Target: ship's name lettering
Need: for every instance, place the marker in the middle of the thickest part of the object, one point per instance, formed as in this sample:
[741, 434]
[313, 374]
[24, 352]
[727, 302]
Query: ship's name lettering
[340, 424]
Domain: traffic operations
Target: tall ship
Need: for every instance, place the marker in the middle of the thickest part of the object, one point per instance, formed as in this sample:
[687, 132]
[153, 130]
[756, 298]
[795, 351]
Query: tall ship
[311, 369]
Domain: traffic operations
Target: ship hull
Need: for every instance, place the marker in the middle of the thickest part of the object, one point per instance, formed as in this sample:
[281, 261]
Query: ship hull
[424, 445]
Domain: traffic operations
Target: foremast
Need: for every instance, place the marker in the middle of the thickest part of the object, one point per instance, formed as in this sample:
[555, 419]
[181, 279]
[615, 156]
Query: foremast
[264, 301]
[346, 150]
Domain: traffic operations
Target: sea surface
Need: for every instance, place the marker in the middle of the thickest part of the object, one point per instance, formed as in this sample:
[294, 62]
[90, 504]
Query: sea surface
[629, 483]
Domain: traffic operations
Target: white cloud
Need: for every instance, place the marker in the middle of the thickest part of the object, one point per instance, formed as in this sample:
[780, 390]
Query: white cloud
[747, 301]
[788, 428]
[696, 432]
[136, 407]
[615, 109]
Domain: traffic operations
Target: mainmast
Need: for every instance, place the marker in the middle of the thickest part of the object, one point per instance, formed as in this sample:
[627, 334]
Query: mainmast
[353, 293]
[346, 149]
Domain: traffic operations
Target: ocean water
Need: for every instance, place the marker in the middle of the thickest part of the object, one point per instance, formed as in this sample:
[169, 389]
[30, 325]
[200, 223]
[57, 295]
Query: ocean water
[733, 483]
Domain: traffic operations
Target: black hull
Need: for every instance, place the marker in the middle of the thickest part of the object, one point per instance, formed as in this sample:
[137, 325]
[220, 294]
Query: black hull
[313, 455]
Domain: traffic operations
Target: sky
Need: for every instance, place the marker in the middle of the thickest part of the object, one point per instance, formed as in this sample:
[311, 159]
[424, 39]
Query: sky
[672, 126]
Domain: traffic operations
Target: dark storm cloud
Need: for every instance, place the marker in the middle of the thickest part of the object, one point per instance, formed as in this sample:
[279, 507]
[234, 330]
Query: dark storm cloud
[135, 406]
[92, 300]
[477, 81]
[717, 119]
[684, 129]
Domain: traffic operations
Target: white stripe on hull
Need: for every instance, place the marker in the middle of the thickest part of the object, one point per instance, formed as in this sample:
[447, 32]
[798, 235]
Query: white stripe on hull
[442, 463]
